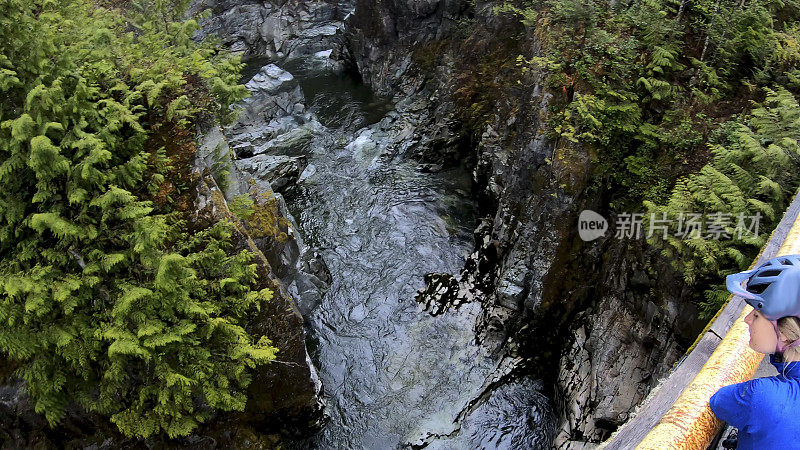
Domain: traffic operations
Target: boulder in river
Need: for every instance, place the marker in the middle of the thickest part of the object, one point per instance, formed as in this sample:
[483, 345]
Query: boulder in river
[274, 112]
[279, 170]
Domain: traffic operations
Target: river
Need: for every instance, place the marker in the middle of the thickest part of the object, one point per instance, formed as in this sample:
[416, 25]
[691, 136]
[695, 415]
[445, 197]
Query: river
[394, 375]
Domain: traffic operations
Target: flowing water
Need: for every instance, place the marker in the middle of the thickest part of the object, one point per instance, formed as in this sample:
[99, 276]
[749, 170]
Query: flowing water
[393, 374]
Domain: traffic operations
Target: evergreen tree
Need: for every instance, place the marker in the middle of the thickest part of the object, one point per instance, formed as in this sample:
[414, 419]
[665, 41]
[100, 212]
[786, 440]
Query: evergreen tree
[107, 299]
[753, 175]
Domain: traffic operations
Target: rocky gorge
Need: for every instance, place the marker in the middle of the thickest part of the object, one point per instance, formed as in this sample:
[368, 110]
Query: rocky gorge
[432, 289]
[594, 324]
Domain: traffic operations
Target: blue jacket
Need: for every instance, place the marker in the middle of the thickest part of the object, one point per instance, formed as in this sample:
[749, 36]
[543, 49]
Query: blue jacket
[765, 410]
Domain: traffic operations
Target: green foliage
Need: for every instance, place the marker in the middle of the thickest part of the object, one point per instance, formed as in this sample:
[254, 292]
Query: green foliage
[107, 301]
[655, 89]
[262, 216]
[242, 206]
[222, 165]
[755, 167]
[168, 45]
[633, 87]
[613, 70]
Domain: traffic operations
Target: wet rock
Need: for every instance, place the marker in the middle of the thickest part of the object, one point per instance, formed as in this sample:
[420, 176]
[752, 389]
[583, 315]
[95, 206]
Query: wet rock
[272, 117]
[20, 426]
[272, 80]
[301, 268]
[274, 28]
[309, 171]
[280, 171]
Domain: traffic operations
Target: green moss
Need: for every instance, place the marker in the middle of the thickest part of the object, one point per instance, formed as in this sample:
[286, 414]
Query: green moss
[262, 216]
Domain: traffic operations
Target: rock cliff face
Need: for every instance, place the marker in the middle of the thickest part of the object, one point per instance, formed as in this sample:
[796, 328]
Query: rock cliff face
[606, 318]
[635, 327]
[380, 36]
[272, 116]
[235, 166]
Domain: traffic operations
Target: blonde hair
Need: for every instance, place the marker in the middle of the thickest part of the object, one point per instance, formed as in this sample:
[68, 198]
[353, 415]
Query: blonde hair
[789, 326]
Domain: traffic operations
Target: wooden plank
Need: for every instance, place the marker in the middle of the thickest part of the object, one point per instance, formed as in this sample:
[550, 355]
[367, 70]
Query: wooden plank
[729, 314]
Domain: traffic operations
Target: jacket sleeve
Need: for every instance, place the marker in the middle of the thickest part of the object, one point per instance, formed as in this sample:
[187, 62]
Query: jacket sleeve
[734, 403]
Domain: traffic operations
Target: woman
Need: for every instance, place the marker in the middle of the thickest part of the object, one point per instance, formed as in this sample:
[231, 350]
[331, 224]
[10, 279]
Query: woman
[766, 411]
